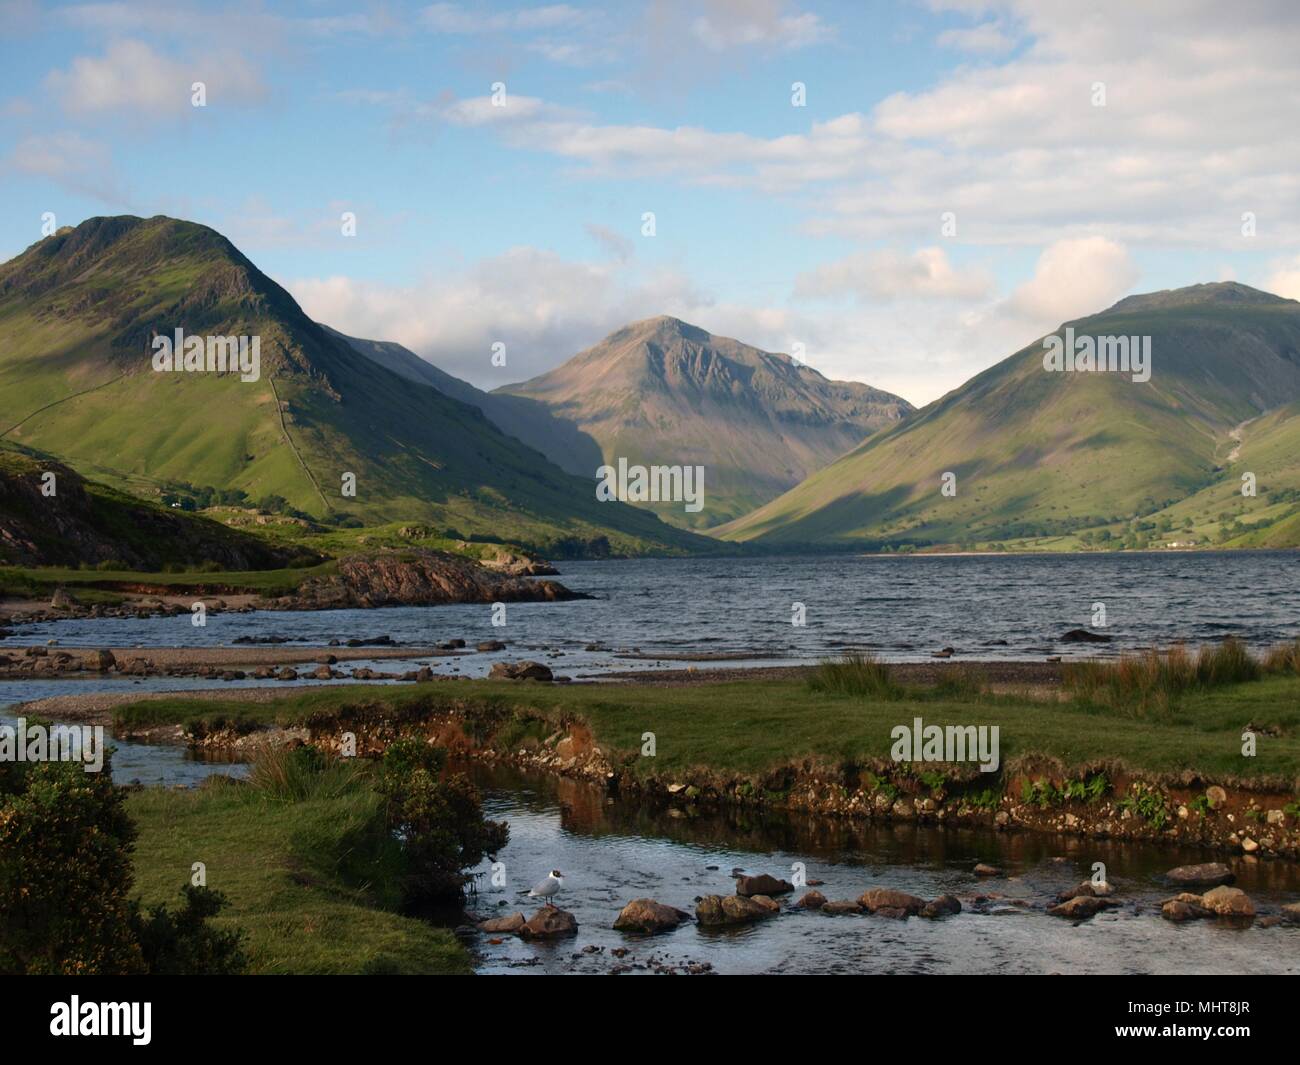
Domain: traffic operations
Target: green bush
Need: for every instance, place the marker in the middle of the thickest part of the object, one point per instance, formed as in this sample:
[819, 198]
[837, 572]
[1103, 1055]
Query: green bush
[439, 819]
[65, 872]
[183, 944]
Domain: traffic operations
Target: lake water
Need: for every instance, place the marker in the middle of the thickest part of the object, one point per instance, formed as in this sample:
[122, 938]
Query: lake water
[903, 608]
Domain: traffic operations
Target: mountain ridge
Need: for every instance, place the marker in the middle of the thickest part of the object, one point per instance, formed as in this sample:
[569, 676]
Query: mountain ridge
[1041, 455]
[78, 309]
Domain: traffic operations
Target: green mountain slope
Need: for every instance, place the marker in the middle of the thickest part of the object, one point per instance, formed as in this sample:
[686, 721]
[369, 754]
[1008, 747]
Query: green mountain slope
[81, 522]
[1039, 454]
[663, 392]
[77, 313]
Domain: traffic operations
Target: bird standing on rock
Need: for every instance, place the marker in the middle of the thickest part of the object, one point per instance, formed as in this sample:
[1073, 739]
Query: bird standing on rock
[548, 888]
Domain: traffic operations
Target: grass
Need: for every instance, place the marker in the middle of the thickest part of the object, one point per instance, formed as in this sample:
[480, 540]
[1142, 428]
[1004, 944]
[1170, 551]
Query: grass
[1156, 679]
[84, 584]
[750, 726]
[855, 674]
[309, 872]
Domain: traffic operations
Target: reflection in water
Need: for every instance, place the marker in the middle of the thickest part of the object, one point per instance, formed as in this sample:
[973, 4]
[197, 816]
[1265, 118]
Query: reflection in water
[612, 851]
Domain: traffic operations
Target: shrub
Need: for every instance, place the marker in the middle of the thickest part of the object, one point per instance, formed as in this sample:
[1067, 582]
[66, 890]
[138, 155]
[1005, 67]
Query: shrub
[183, 944]
[65, 872]
[438, 818]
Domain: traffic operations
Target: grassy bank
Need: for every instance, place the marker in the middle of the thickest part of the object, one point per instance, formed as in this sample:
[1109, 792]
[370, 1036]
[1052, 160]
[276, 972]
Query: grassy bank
[92, 585]
[749, 726]
[308, 877]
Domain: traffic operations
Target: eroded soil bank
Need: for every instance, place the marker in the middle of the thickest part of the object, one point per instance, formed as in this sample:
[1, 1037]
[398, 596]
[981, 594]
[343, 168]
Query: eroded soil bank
[1104, 800]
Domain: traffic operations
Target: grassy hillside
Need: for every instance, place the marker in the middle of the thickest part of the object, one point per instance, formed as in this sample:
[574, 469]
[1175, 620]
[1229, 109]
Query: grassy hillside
[1077, 459]
[84, 523]
[78, 310]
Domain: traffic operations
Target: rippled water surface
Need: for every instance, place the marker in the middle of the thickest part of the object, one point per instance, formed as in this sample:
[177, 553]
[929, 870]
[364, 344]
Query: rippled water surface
[902, 607]
[611, 852]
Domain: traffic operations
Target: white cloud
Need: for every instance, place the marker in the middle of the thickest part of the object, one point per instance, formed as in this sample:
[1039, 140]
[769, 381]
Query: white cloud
[69, 160]
[452, 18]
[132, 78]
[543, 307]
[1284, 279]
[887, 274]
[1074, 277]
[986, 39]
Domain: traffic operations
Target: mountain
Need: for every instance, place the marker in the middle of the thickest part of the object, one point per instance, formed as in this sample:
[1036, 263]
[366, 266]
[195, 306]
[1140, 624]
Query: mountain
[79, 312]
[81, 522]
[1071, 458]
[663, 392]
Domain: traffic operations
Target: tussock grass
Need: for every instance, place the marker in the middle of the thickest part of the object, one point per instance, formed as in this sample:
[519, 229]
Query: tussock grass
[296, 774]
[856, 673]
[1283, 658]
[1155, 679]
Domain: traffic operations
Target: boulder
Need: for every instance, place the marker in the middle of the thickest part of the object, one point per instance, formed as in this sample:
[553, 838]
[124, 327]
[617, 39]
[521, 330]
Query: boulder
[715, 910]
[1183, 907]
[767, 902]
[943, 906]
[649, 916]
[1291, 912]
[102, 660]
[526, 670]
[1081, 907]
[491, 645]
[762, 885]
[1208, 874]
[1228, 902]
[841, 906]
[512, 924]
[983, 869]
[1084, 636]
[549, 922]
[812, 900]
[876, 899]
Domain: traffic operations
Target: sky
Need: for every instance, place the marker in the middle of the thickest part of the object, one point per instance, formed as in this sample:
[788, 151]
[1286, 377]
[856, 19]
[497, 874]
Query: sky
[900, 193]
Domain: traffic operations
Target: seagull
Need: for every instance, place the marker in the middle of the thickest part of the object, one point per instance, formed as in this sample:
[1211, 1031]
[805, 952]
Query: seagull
[548, 888]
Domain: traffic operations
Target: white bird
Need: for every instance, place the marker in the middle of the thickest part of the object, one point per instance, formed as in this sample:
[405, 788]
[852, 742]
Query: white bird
[548, 888]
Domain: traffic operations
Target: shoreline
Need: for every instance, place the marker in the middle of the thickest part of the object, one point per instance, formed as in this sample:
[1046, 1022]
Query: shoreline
[816, 754]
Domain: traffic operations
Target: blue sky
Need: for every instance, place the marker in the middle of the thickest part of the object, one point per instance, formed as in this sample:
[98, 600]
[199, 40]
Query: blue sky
[818, 225]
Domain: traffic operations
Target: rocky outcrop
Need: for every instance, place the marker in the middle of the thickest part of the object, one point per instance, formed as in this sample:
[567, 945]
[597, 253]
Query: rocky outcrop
[648, 917]
[549, 922]
[943, 906]
[1228, 902]
[1221, 901]
[762, 885]
[1081, 907]
[416, 578]
[511, 925]
[719, 910]
[526, 670]
[1208, 874]
[878, 900]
